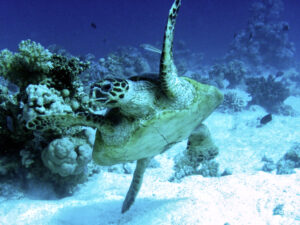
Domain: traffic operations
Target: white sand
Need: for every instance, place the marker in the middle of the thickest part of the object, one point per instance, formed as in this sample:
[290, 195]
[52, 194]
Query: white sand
[236, 199]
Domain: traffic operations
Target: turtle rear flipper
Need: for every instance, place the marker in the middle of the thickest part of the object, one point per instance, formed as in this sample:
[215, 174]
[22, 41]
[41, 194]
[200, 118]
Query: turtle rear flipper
[201, 146]
[136, 183]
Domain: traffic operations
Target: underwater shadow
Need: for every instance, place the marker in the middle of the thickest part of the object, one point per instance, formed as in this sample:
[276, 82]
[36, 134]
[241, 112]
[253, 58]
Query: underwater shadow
[108, 212]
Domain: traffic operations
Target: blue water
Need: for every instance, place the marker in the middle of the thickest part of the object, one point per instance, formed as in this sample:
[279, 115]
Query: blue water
[259, 77]
[206, 26]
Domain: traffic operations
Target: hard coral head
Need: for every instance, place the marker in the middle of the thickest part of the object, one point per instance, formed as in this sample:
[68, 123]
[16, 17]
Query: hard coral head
[109, 92]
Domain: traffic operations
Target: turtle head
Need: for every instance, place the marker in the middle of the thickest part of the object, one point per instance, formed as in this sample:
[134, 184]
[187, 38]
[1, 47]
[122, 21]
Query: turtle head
[109, 92]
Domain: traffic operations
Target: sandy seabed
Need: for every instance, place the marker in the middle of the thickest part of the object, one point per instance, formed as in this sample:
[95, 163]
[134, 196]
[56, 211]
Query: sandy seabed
[248, 196]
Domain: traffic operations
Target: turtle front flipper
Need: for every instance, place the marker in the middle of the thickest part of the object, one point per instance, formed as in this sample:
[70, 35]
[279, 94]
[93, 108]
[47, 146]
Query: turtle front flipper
[136, 183]
[58, 122]
[168, 71]
[172, 85]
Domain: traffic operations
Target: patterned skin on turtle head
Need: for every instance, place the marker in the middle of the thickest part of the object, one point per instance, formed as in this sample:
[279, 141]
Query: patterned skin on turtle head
[109, 92]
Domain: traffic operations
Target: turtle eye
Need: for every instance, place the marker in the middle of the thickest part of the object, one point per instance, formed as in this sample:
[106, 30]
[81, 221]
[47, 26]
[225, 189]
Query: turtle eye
[106, 87]
[98, 94]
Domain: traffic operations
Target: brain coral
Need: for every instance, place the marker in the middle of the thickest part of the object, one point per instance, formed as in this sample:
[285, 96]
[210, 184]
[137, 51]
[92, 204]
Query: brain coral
[67, 156]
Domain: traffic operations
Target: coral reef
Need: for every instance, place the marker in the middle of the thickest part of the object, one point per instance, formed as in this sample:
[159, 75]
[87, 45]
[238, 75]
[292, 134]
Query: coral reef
[209, 169]
[124, 63]
[185, 165]
[269, 164]
[65, 71]
[185, 59]
[267, 93]
[33, 64]
[42, 100]
[67, 156]
[28, 66]
[13, 133]
[48, 84]
[265, 41]
[234, 71]
[196, 159]
[234, 101]
[286, 164]
[289, 161]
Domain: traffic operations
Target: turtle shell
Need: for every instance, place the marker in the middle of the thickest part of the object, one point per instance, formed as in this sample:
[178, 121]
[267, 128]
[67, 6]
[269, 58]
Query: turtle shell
[142, 138]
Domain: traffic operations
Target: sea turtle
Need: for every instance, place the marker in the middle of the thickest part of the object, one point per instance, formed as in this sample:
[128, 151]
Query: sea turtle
[147, 115]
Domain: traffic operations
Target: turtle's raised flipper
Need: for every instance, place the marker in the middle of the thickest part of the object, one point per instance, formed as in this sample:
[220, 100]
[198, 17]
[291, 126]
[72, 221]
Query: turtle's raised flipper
[168, 71]
[200, 145]
[136, 183]
[172, 85]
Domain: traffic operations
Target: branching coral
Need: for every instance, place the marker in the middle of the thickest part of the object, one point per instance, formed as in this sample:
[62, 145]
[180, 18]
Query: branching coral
[234, 101]
[65, 71]
[198, 157]
[33, 64]
[28, 66]
[267, 92]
